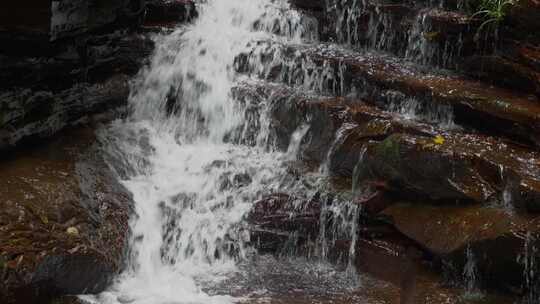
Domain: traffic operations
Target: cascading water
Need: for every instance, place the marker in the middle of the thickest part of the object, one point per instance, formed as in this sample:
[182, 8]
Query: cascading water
[412, 109]
[529, 260]
[372, 26]
[191, 182]
[470, 275]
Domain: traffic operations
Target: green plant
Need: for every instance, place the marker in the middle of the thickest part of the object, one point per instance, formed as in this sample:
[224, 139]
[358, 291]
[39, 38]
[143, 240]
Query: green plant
[492, 11]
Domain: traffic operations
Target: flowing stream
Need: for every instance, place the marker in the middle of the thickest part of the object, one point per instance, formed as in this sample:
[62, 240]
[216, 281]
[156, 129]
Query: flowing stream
[192, 182]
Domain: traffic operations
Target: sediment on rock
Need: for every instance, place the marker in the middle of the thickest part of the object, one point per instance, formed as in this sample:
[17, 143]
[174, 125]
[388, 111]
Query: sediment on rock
[64, 219]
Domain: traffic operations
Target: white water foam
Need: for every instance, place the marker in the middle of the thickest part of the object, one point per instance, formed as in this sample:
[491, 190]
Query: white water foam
[191, 187]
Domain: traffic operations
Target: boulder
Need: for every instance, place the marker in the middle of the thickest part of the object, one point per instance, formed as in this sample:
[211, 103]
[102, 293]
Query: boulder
[169, 11]
[456, 167]
[497, 238]
[409, 157]
[63, 220]
[389, 83]
[282, 224]
[70, 62]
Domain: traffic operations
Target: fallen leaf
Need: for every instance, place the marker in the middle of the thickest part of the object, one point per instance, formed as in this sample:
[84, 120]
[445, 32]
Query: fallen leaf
[72, 231]
[438, 140]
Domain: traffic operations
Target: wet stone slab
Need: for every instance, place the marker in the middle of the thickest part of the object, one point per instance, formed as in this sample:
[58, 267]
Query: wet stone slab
[64, 220]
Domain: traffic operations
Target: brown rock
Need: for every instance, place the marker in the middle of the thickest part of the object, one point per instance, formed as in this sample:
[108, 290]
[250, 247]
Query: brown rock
[465, 167]
[45, 193]
[496, 237]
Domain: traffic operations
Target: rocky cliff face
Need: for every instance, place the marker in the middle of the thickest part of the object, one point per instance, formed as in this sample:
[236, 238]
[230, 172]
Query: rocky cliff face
[60, 68]
[65, 67]
[61, 62]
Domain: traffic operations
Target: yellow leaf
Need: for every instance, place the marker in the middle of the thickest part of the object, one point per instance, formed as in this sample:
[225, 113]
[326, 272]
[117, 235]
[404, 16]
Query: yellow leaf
[438, 140]
[72, 231]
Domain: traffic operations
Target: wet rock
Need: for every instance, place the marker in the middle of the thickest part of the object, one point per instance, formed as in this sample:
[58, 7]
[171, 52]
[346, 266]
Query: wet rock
[33, 30]
[381, 251]
[115, 53]
[523, 19]
[285, 213]
[426, 173]
[525, 53]
[429, 34]
[440, 35]
[242, 180]
[473, 103]
[228, 180]
[29, 114]
[371, 124]
[71, 63]
[166, 11]
[63, 218]
[67, 300]
[496, 237]
[281, 223]
[504, 73]
[465, 167]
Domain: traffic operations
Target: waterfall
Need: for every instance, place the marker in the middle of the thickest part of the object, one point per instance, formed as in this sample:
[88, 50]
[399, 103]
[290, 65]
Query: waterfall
[191, 184]
[470, 275]
[529, 261]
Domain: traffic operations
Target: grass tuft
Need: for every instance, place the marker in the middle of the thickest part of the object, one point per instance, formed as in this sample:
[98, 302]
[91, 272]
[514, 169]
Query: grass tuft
[492, 12]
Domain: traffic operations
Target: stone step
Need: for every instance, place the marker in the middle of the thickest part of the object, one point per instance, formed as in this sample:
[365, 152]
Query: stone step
[409, 250]
[517, 66]
[478, 186]
[39, 29]
[64, 217]
[427, 33]
[409, 157]
[437, 96]
[498, 242]
[320, 5]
